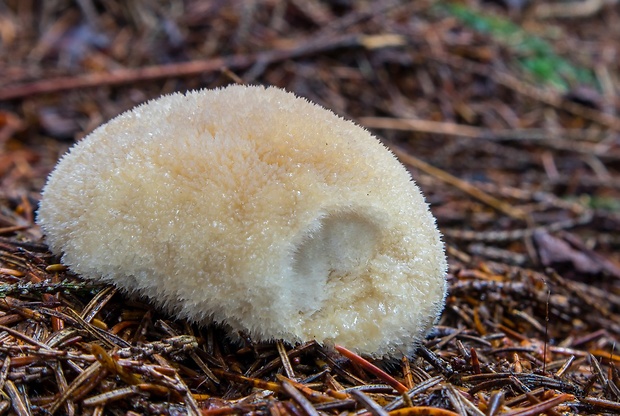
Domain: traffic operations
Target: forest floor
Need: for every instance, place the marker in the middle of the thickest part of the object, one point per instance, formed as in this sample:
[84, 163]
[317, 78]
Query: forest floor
[506, 113]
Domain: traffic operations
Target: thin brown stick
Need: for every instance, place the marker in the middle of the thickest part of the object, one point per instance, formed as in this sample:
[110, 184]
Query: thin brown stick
[550, 98]
[183, 69]
[464, 186]
[366, 365]
[299, 398]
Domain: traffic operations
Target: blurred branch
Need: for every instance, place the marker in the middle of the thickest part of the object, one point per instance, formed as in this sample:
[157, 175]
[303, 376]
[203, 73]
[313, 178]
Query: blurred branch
[184, 69]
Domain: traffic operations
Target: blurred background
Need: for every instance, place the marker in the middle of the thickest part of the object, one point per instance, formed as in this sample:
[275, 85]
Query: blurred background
[505, 111]
[514, 101]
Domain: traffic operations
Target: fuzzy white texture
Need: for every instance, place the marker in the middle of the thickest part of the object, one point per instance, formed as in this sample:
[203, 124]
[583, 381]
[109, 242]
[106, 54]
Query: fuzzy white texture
[257, 209]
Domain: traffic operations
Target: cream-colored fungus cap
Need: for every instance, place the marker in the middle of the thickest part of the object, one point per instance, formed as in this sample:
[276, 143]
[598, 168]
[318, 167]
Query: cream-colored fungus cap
[254, 208]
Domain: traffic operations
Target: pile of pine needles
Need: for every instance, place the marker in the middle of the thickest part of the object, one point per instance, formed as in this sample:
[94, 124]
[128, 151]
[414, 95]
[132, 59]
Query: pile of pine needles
[506, 114]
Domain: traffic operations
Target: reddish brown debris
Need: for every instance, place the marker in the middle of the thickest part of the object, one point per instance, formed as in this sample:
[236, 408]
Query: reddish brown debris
[524, 180]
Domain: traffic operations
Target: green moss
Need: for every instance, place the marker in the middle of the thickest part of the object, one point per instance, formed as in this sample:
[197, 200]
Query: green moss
[532, 54]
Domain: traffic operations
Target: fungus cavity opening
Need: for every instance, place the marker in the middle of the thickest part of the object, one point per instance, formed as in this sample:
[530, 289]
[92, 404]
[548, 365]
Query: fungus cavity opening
[337, 246]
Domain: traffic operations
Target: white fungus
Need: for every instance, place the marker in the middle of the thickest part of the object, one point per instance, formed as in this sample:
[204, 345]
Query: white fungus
[254, 208]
